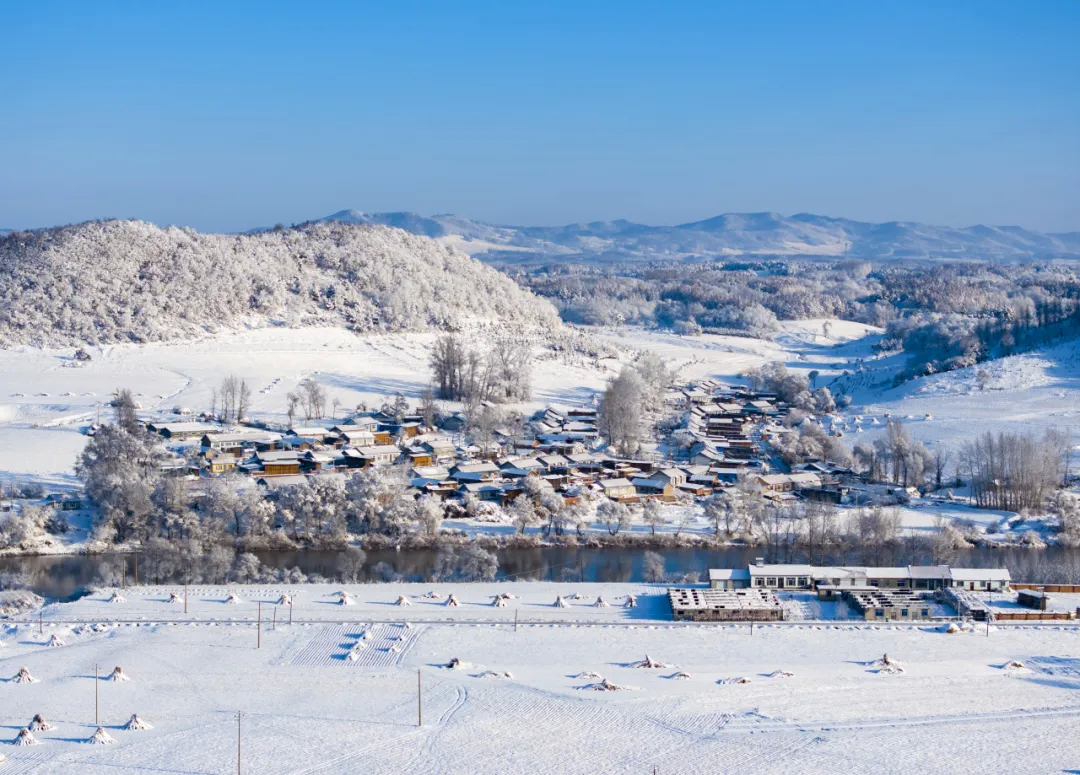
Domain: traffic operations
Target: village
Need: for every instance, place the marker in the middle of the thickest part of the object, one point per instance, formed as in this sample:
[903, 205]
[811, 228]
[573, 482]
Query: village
[729, 428]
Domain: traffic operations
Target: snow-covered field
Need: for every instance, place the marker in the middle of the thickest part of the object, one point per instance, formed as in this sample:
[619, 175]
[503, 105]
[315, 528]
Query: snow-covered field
[519, 701]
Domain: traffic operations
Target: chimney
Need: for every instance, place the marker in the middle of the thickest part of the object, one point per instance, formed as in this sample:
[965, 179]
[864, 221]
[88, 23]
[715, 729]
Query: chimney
[759, 562]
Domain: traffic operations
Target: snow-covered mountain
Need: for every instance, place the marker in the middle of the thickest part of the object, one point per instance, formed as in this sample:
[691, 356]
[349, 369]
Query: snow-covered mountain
[731, 234]
[130, 281]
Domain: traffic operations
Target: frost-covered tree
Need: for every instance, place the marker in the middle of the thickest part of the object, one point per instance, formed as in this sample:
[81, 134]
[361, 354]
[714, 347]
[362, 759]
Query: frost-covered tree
[120, 472]
[114, 281]
[614, 516]
[620, 413]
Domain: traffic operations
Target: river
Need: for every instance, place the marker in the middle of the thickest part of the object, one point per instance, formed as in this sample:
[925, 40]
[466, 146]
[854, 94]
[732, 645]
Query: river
[64, 577]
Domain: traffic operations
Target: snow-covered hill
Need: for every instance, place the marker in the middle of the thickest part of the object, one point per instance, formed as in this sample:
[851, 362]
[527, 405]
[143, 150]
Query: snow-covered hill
[732, 234]
[122, 281]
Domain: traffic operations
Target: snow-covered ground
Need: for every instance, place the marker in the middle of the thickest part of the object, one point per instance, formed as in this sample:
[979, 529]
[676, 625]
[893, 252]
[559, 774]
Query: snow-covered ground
[518, 701]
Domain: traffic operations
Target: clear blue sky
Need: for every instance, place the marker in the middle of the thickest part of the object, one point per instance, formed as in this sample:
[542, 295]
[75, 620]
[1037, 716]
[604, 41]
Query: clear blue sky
[228, 115]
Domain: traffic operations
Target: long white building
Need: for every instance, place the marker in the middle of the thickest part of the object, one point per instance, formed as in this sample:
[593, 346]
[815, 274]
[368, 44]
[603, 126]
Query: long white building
[827, 579]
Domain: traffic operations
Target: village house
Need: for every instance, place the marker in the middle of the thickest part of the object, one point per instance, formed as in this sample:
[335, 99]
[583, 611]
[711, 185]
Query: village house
[220, 463]
[237, 441]
[277, 462]
[182, 431]
[379, 455]
[618, 489]
[654, 488]
[475, 472]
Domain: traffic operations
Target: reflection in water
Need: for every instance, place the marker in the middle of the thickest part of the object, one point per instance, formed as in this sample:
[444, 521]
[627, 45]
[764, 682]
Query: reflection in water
[65, 577]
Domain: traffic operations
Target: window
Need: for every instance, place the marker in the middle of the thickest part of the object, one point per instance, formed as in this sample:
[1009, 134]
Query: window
[901, 582]
[879, 612]
[926, 612]
[771, 581]
[803, 581]
[903, 612]
[759, 582]
[790, 582]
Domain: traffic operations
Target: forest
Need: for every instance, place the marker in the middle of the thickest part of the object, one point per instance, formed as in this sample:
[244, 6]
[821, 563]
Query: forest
[129, 281]
[942, 315]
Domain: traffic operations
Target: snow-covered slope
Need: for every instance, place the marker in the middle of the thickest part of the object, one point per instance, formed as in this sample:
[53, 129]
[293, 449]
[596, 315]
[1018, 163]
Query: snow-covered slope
[118, 281]
[728, 235]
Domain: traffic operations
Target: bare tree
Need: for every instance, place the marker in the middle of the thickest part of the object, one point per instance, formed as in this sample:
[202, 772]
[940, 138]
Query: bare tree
[243, 400]
[429, 407]
[292, 403]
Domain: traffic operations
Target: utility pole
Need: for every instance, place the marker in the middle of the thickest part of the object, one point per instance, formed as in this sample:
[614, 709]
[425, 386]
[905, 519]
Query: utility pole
[258, 629]
[136, 567]
[419, 706]
[96, 682]
[238, 715]
[40, 623]
[273, 621]
[185, 597]
[515, 619]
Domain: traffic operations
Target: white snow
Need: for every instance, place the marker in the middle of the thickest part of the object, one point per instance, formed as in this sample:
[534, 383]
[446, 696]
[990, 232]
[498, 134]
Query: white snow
[309, 709]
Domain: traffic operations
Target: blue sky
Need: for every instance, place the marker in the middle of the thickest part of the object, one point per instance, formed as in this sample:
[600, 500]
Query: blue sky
[226, 116]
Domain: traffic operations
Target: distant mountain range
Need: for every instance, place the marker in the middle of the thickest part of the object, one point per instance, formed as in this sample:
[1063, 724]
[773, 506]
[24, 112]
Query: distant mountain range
[731, 234]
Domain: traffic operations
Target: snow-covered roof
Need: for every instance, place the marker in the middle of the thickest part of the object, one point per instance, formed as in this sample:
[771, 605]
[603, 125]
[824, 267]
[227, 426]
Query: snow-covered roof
[729, 574]
[611, 484]
[980, 574]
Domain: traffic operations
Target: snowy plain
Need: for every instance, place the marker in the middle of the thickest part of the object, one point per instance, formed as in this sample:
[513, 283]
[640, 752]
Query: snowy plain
[518, 701]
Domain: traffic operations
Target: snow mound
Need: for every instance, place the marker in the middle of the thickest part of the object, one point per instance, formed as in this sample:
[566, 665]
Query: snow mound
[452, 602]
[1014, 664]
[742, 680]
[175, 598]
[100, 737]
[680, 676]
[136, 724]
[344, 598]
[605, 685]
[590, 676]
[601, 603]
[432, 595]
[650, 664]
[233, 599]
[24, 677]
[55, 642]
[116, 598]
[25, 737]
[118, 675]
[39, 724]
[284, 600]
[495, 674]
[457, 664]
[577, 596]
[886, 666]
[560, 602]
[403, 601]
[781, 674]
[631, 602]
